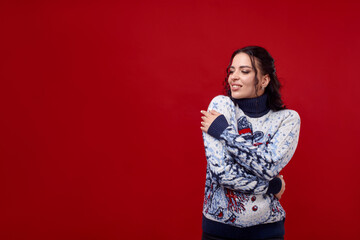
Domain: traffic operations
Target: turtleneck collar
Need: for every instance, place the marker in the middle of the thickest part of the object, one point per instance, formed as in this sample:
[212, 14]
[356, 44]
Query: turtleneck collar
[253, 107]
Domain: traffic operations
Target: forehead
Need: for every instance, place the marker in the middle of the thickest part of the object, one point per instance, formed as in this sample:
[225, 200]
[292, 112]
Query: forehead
[241, 59]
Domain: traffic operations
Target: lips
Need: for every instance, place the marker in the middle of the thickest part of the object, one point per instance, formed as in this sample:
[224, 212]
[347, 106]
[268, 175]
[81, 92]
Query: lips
[235, 87]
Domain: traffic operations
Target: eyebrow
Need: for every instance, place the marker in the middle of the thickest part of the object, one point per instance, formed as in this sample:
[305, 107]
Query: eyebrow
[242, 67]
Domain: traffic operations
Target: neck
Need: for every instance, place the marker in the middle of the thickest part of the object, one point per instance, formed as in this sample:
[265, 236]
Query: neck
[253, 107]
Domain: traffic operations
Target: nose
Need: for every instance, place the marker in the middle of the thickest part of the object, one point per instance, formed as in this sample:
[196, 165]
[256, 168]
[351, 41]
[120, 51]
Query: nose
[235, 76]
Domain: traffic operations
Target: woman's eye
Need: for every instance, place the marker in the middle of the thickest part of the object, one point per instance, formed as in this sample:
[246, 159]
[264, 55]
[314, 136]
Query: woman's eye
[245, 72]
[231, 72]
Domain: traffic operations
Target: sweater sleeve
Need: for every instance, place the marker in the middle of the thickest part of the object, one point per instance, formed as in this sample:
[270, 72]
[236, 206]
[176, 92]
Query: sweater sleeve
[265, 160]
[222, 167]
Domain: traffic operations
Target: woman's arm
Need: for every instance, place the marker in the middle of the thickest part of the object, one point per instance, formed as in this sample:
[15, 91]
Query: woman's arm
[227, 172]
[223, 169]
[265, 160]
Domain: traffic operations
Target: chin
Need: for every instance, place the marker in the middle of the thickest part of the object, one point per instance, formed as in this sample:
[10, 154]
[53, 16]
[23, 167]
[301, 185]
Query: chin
[242, 95]
[237, 96]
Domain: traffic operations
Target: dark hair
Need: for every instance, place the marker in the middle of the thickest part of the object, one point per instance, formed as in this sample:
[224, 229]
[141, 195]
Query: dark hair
[266, 66]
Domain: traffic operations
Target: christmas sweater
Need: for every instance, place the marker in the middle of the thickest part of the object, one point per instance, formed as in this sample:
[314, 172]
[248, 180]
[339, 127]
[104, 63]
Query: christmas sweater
[242, 158]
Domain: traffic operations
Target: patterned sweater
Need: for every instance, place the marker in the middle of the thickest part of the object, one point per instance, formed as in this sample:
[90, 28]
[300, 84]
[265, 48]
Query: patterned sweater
[244, 152]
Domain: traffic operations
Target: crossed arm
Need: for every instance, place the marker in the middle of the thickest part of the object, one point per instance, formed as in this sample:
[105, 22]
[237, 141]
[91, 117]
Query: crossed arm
[260, 165]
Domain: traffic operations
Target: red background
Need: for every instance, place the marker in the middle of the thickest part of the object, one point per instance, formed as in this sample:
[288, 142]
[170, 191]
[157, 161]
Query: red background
[100, 113]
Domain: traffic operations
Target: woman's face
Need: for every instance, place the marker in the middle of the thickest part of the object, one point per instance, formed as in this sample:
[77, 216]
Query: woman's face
[242, 78]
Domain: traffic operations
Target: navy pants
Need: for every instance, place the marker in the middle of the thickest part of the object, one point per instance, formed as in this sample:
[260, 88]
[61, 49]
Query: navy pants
[206, 236]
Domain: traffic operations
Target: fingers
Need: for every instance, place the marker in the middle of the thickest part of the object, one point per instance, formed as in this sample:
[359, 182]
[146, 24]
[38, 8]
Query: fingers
[207, 119]
[204, 126]
[278, 195]
[282, 190]
[205, 113]
[211, 112]
[214, 112]
[283, 180]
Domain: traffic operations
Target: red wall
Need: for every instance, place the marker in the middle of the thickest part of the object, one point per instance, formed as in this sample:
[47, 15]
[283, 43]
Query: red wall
[100, 113]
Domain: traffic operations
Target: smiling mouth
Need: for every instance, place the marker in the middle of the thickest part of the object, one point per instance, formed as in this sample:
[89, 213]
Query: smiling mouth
[235, 87]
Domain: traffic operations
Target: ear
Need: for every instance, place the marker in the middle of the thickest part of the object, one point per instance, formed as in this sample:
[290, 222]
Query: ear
[265, 81]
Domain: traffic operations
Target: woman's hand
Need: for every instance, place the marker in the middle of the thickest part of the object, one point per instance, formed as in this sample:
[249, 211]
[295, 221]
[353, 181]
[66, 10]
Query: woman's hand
[282, 190]
[207, 119]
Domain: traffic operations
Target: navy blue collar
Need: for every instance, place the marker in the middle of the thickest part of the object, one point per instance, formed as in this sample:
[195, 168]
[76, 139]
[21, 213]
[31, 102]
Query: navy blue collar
[253, 107]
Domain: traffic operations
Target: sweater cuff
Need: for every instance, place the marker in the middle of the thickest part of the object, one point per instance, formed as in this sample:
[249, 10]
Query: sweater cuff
[274, 186]
[218, 126]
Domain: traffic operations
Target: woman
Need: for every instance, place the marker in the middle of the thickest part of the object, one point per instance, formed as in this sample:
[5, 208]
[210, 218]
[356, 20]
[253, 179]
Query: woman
[249, 136]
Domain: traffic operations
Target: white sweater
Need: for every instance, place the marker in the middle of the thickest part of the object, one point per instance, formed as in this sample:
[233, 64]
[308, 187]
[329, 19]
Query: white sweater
[248, 154]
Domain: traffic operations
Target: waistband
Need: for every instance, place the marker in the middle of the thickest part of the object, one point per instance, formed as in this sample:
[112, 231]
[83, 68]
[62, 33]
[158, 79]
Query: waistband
[269, 230]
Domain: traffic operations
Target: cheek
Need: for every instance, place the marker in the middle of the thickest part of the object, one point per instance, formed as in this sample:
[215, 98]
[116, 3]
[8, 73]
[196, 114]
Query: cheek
[249, 80]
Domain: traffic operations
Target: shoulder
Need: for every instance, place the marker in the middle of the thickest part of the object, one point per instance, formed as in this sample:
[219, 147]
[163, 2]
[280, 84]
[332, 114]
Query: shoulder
[224, 105]
[221, 104]
[287, 114]
[221, 100]
[287, 118]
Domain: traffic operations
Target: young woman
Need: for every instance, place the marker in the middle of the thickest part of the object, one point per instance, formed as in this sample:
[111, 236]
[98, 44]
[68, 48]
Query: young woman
[249, 136]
